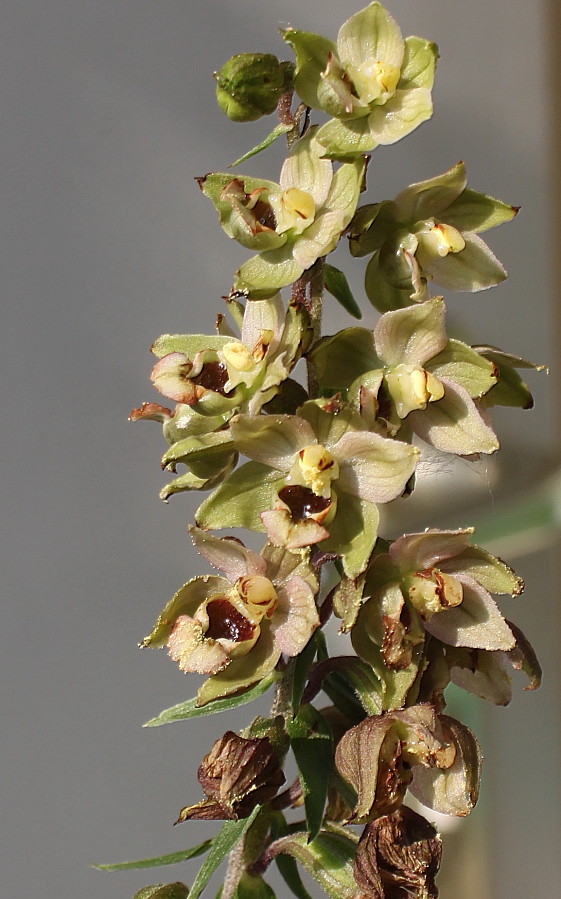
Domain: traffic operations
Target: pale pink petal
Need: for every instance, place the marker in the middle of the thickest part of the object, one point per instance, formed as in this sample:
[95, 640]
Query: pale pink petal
[372, 467]
[295, 618]
[415, 552]
[476, 622]
[188, 647]
[227, 554]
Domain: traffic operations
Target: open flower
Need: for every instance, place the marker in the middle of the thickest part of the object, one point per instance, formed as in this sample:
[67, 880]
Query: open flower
[340, 471]
[292, 223]
[418, 381]
[429, 232]
[434, 582]
[375, 84]
[236, 627]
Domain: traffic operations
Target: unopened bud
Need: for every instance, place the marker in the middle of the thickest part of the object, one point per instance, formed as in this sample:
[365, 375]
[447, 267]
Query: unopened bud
[250, 85]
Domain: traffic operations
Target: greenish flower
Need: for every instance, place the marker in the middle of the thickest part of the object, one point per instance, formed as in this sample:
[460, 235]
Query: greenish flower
[429, 232]
[323, 465]
[375, 84]
[235, 627]
[290, 224]
[214, 377]
[407, 376]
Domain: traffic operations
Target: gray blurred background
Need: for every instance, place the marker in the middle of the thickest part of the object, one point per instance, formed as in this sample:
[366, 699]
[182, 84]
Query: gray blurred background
[108, 114]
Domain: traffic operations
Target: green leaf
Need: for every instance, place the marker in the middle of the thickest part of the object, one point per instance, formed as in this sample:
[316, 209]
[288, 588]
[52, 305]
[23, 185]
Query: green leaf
[223, 842]
[163, 891]
[338, 286]
[302, 665]
[172, 859]
[312, 745]
[190, 709]
[270, 139]
[240, 499]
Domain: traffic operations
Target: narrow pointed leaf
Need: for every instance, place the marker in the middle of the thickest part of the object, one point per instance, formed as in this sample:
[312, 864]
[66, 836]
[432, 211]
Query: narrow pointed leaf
[338, 286]
[270, 139]
[190, 709]
[231, 832]
[173, 858]
[312, 745]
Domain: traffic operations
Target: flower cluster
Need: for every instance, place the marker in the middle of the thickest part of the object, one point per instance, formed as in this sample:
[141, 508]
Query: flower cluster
[320, 459]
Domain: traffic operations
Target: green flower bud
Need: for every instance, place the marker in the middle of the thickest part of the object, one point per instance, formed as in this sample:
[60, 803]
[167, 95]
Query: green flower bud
[250, 85]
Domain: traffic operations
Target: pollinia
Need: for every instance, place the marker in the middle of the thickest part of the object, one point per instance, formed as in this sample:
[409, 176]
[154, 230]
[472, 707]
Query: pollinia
[302, 438]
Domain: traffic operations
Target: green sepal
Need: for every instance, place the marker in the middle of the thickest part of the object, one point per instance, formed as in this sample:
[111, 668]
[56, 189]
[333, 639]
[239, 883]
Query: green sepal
[340, 359]
[511, 390]
[270, 139]
[193, 449]
[173, 858]
[185, 602]
[383, 295]
[312, 745]
[240, 499]
[329, 859]
[460, 363]
[163, 891]
[190, 344]
[212, 473]
[492, 573]
[337, 285]
[312, 54]
[291, 395]
[344, 141]
[353, 532]
[222, 844]
[190, 709]
[473, 211]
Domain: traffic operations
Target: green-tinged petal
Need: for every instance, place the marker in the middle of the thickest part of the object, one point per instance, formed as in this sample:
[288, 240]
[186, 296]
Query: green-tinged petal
[312, 55]
[190, 344]
[240, 499]
[190, 709]
[415, 552]
[427, 199]
[229, 556]
[222, 844]
[397, 118]
[371, 35]
[413, 335]
[345, 189]
[278, 131]
[328, 859]
[383, 295]
[337, 285]
[338, 360]
[454, 790]
[269, 271]
[320, 238]
[273, 440]
[243, 671]
[353, 532]
[454, 424]
[343, 140]
[475, 623]
[373, 467]
[419, 63]
[172, 859]
[460, 363]
[306, 170]
[185, 602]
[473, 268]
[490, 572]
[472, 211]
